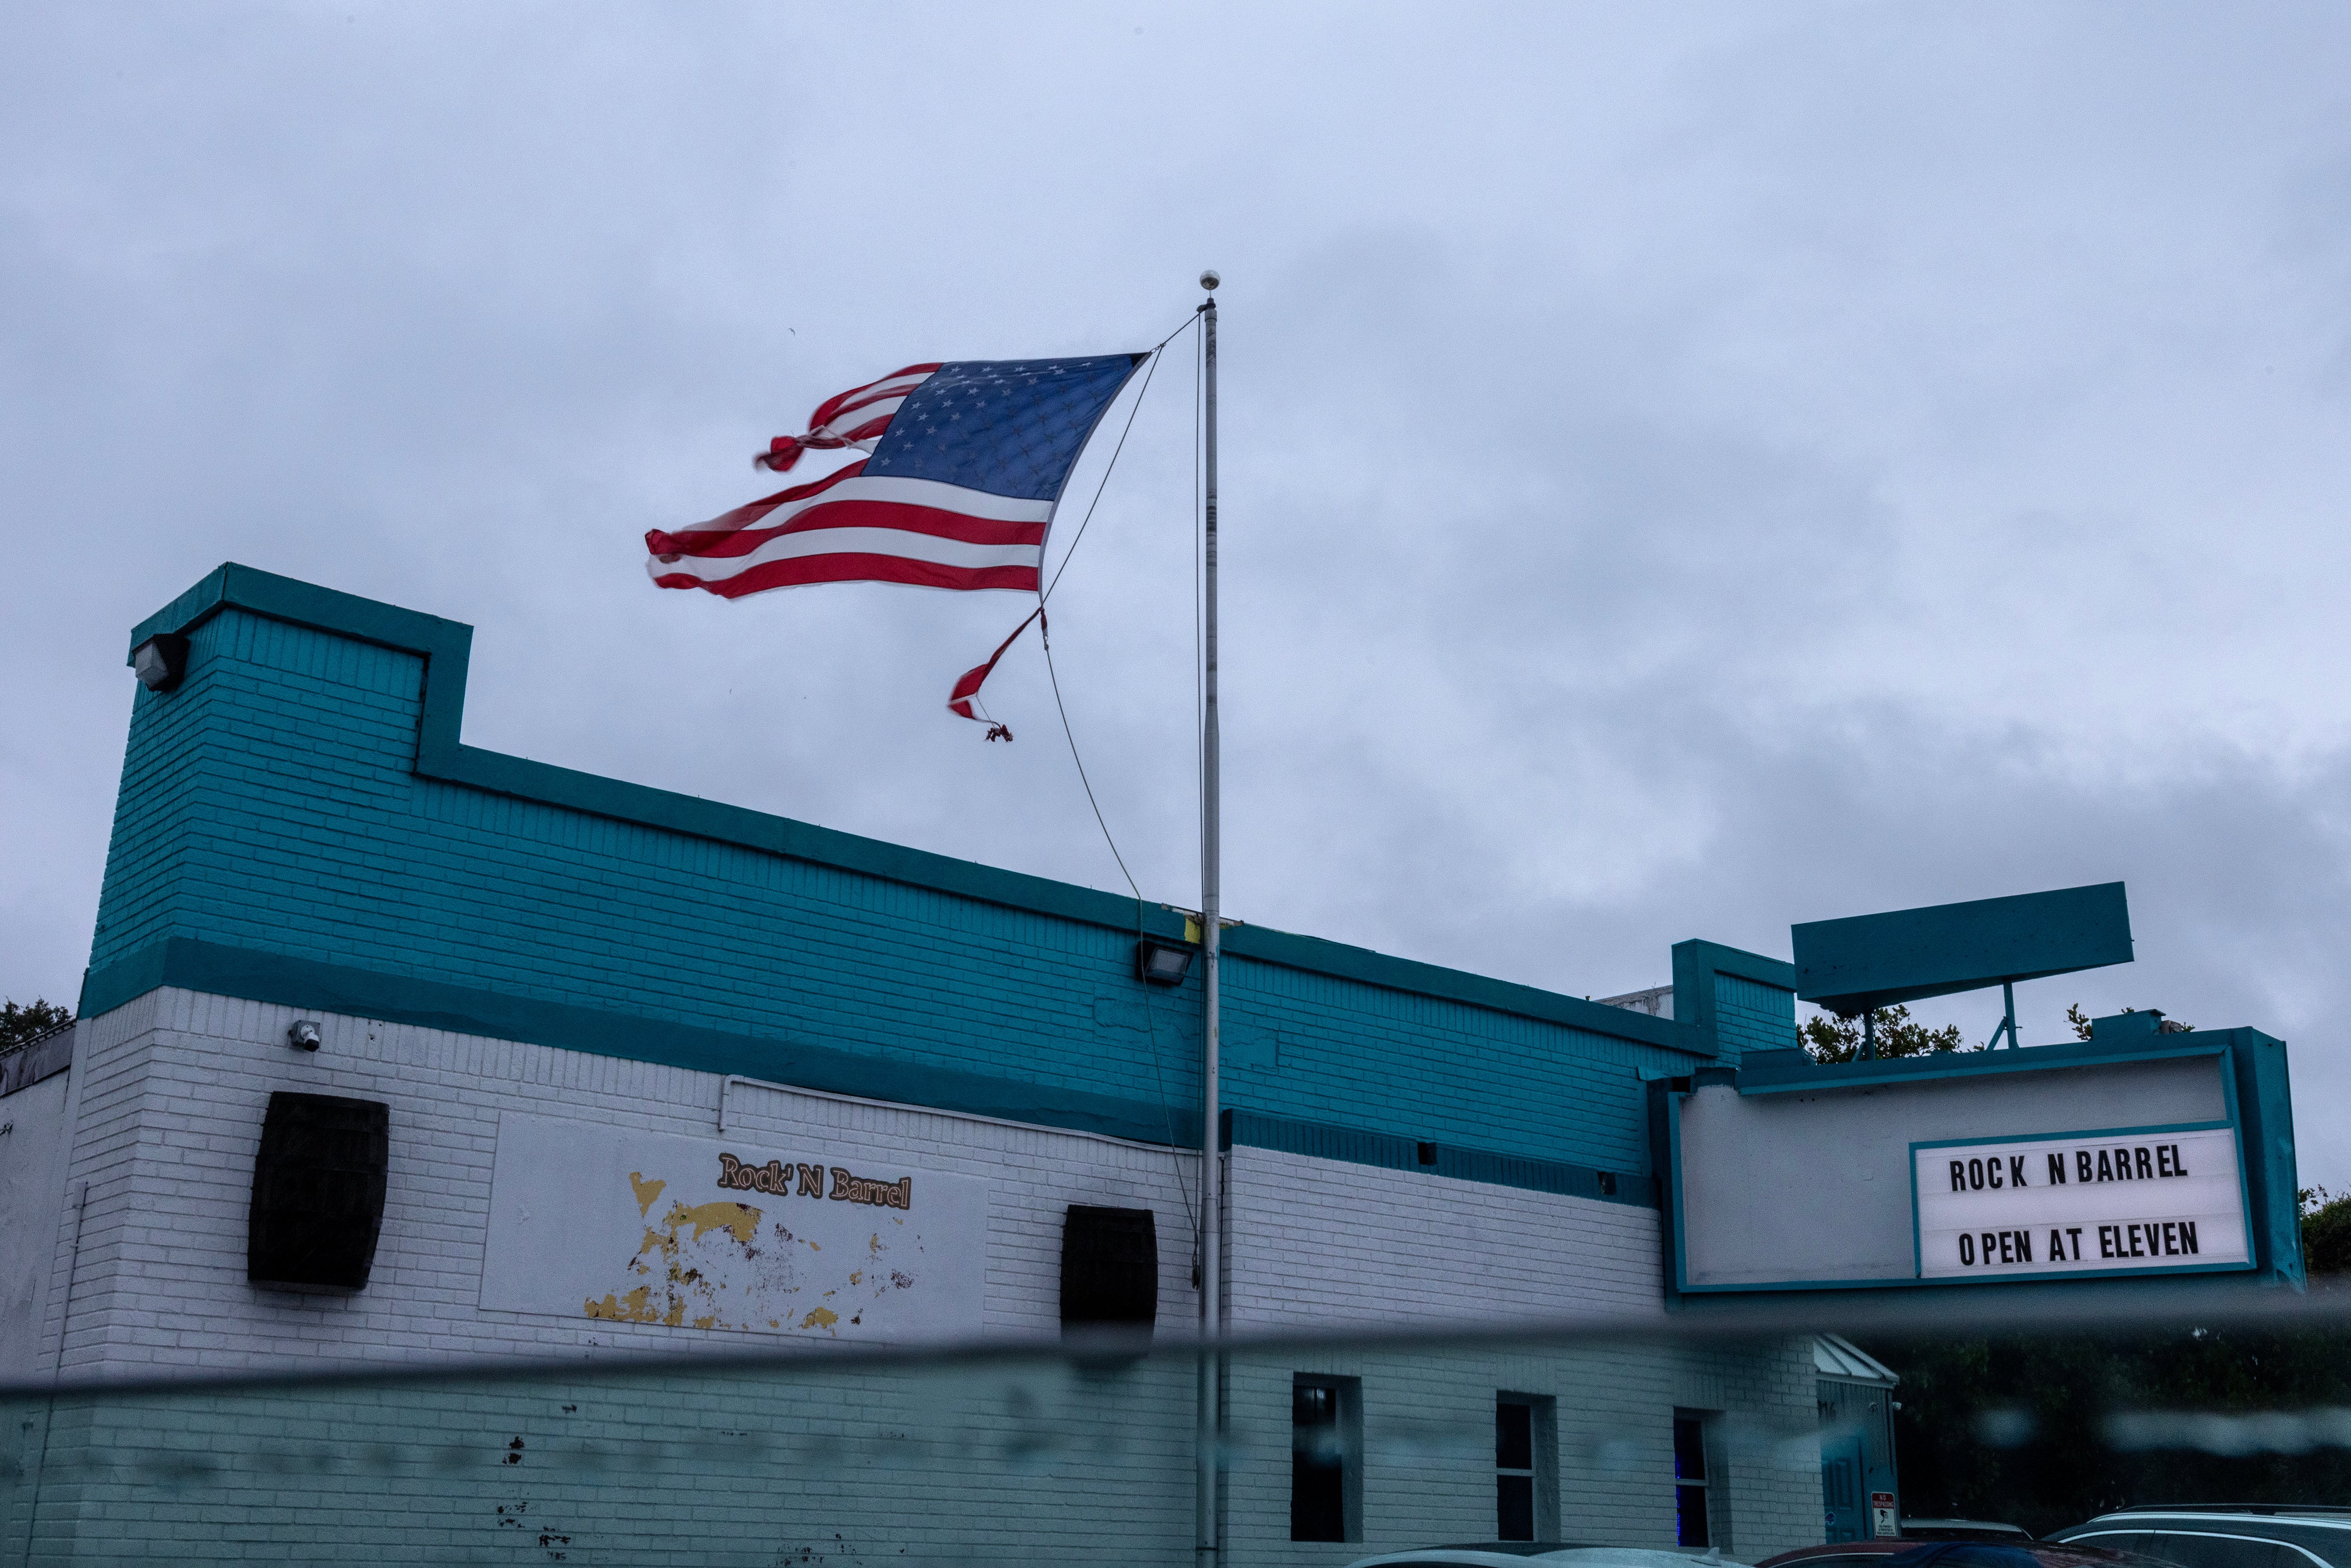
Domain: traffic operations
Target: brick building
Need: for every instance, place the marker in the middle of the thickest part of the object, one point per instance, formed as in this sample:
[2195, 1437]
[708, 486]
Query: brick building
[878, 1120]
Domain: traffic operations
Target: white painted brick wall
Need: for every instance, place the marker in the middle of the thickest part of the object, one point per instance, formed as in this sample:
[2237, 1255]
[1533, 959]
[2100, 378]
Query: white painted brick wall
[172, 1090]
[175, 1085]
[36, 1124]
[1317, 1243]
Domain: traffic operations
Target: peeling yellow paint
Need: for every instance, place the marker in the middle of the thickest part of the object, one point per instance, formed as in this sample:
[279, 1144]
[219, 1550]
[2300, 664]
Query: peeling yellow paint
[739, 1218]
[647, 1191]
[685, 1258]
[632, 1308]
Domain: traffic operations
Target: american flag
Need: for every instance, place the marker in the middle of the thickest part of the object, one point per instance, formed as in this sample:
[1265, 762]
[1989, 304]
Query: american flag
[969, 460]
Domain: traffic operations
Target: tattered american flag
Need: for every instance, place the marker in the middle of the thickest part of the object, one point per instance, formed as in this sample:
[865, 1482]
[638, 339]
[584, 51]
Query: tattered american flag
[968, 459]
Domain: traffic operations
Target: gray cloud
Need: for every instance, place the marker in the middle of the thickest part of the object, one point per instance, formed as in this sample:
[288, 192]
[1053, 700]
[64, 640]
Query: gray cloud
[1685, 475]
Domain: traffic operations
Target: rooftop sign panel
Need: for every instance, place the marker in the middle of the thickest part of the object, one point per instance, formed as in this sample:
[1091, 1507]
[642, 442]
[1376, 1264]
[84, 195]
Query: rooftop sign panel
[1868, 961]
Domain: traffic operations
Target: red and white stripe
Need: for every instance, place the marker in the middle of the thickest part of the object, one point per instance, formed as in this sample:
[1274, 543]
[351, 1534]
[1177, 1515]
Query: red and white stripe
[846, 527]
[854, 418]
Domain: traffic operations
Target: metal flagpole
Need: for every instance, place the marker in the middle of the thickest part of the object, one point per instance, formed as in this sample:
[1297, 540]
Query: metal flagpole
[1211, 928]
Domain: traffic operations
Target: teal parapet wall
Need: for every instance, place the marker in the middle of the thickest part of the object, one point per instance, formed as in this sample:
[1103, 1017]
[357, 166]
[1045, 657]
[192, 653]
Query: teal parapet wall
[298, 823]
[1741, 1001]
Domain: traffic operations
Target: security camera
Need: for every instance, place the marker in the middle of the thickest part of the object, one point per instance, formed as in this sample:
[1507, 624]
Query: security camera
[1209, 280]
[303, 1036]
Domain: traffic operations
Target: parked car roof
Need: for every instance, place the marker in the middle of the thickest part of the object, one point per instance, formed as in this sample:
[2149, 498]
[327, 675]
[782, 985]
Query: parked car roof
[1551, 1554]
[1984, 1552]
[2254, 1509]
[1973, 1528]
[2212, 1535]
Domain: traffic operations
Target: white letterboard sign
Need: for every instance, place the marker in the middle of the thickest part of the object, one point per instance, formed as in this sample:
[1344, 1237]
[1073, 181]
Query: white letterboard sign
[2135, 1200]
[754, 1235]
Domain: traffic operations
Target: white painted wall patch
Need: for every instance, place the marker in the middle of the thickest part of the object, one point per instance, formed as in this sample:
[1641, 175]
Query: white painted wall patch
[599, 1221]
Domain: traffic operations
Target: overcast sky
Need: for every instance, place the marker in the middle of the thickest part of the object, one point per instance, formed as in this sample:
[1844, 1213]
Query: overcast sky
[1687, 470]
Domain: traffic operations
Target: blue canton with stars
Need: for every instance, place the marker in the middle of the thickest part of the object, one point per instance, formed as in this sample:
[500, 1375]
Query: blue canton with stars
[1009, 427]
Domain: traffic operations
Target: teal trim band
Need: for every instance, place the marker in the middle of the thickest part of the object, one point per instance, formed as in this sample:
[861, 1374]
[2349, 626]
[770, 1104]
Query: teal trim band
[1794, 1072]
[1718, 960]
[1954, 1288]
[252, 976]
[446, 647]
[1667, 1109]
[1316, 956]
[2076, 1135]
[1353, 1145]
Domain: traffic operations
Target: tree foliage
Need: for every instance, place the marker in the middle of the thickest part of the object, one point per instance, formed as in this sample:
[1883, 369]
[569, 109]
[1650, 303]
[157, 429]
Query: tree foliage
[24, 1025]
[2325, 1231]
[1831, 1040]
[1827, 1038]
[2015, 1428]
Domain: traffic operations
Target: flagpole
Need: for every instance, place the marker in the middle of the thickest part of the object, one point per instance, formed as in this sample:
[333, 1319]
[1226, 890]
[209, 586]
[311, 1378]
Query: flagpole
[1205, 1542]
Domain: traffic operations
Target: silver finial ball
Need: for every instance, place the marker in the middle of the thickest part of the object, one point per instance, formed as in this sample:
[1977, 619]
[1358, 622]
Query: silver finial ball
[1209, 280]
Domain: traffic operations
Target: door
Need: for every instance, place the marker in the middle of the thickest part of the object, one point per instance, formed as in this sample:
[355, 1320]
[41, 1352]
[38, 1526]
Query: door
[1841, 1494]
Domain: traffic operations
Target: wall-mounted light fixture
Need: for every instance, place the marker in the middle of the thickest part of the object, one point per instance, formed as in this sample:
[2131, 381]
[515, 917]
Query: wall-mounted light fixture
[1162, 963]
[303, 1036]
[161, 661]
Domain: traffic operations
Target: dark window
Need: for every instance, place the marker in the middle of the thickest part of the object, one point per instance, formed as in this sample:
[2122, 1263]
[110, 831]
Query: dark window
[1325, 1464]
[1690, 1481]
[2135, 1541]
[1110, 1268]
[2326, 1543]
[1514, 1470]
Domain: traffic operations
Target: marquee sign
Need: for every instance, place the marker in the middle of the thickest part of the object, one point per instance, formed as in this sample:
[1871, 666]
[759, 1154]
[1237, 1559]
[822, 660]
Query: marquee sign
[2107, 1158]
[2132, 1200]
[790, 1239]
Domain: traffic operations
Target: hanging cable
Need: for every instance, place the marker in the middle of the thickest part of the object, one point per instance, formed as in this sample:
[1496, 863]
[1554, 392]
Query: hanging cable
[997, 730]
[1104, 484]
[1045, 631]
[1045, 636]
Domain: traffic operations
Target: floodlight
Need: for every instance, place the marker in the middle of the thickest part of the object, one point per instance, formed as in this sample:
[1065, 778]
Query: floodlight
[1162, 963]
[161, 661]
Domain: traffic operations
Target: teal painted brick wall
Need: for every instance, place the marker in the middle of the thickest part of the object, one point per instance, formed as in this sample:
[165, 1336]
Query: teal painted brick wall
[273, 804]
[1751, 1016]
[1739, 1001]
